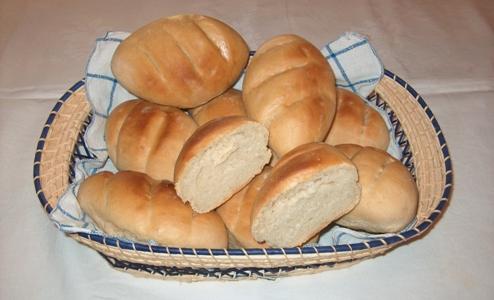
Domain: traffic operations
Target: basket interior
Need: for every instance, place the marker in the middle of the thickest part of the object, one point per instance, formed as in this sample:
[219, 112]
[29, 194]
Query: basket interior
[416, 130]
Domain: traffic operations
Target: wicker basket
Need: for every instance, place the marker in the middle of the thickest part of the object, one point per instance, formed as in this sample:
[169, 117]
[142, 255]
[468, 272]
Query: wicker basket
[424, 153]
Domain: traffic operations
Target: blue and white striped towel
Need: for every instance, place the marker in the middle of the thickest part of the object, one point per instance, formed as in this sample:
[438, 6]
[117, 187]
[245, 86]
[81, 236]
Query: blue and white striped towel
[355, 63]
[353, 60]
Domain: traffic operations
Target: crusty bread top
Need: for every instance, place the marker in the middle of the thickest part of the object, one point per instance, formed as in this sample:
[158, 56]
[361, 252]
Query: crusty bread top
[146, 137]
[290, 88]
[204, 136]
[227, 104]
[350, 150]
[389, 194]
[236, 212]
[298, 165]
[181, 61]
[281, 54]
[133, 205]
[357, 123]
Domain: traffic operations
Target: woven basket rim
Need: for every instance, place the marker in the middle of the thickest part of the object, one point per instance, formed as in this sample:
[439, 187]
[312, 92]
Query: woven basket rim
[400, 237]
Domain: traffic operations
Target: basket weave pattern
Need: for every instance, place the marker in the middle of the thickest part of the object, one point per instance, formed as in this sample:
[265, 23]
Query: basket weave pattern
[424, 152]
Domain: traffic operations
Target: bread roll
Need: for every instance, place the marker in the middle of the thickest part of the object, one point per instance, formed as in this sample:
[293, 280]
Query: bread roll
[181, 61]
[357, 123]
[237, 211]
[134, 206]
[227, 104]
[146, 137]
[389, 194]
[290, 88]
[219, 159]
[310, 187]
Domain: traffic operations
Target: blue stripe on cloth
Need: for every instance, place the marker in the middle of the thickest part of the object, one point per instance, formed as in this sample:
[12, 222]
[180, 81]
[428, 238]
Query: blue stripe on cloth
[65, 227]
[371, 80]
[99, 76]
[100, 114]
[112, 93]
[73, 190]
[338, 237]
[68, 215]
[107, 39]
[356, 45]
[91, 171]
[343, 73]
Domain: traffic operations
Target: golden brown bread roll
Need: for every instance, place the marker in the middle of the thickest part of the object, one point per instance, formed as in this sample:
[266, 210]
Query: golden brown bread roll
[290, 88]
[389, 194]
[236, 213]
[219, 159]
[227, 104]
[181, 61]
[146, 137]
[133, 205]
[310, 187]
[357, 123]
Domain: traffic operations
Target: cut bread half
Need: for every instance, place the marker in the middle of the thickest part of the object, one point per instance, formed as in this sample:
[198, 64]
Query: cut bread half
[219, 159]
[309, 188]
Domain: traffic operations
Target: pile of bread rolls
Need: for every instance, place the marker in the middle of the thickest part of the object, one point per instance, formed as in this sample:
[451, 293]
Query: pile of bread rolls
[203, 165]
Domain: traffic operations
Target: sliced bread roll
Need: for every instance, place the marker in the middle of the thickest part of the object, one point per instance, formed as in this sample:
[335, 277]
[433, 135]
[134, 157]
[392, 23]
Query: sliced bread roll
[134, 206]
[181, 61]
[357, 123]
[389, 194]
[290, 88]
[146, 137]
[237, 211]
[227, 104]
[237, 214]
[219, 159]
[309, 187]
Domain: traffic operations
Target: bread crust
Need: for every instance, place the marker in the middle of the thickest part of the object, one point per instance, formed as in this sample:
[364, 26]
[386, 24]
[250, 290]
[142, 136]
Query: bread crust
[133, 205]
[146, 137]
[389, 197]
[236, 212]
[357, 123]
[289, 87]
[182, 61]
[227, 104]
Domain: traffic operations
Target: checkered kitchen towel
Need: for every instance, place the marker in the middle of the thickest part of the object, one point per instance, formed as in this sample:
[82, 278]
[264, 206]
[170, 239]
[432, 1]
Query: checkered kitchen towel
[355, 63]
[352, 58]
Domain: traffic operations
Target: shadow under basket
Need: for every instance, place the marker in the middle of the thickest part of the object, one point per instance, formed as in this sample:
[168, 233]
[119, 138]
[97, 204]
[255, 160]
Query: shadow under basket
[416, 130]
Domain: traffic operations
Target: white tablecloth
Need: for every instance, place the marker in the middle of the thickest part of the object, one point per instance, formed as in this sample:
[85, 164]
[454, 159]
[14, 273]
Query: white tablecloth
[445, 49]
